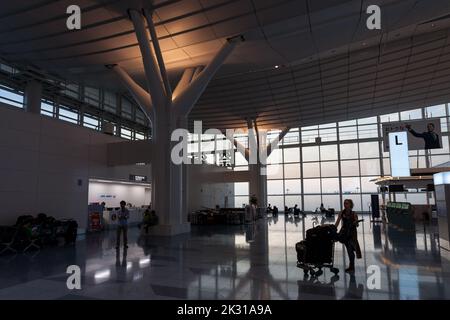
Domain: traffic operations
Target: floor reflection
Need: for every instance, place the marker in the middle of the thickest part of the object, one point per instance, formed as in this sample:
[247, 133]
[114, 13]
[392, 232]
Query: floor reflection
[253, 261]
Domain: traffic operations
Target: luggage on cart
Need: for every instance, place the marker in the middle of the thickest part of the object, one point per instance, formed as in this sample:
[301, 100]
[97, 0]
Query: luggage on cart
[317, 250]
[330, 213]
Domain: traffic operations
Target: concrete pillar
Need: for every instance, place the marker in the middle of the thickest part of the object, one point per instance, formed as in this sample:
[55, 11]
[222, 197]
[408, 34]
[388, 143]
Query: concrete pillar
[167, 180]
[258, 183]
[32, 97]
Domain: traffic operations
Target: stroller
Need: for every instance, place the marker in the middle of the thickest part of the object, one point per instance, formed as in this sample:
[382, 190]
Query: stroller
[317, 250]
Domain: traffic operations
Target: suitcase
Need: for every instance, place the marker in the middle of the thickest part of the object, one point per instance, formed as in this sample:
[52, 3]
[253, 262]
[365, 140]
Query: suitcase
[320, 243]
[326, 232]
[301, 248]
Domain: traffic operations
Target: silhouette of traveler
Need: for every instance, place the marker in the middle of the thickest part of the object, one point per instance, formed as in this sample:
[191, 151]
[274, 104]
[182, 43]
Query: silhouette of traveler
[348, 234]
[122, 225]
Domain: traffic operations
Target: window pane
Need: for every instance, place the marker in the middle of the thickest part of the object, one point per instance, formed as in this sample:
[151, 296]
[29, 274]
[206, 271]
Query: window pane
[309, 136]
[330, 185]
[67, 115]
[275, 171]
[368, 150]
[439, 160]
[275, 157]
[125, 133]
[310, 153]
[47, 108]
[275, 187]
[328, 134]
[240, 202]
[351, 185]
[292, 186]
[292, 170]
[411, 114]
[349, 168]
[312, 203]
[291, 137]
[348, 133]
[127, 109]
[328, 152]
[367, 186]
[311, 170]
[370, 167]
[369, 131]
[349, 151]
[139, 136]
[291, 155]
[329, 169]
[92, 96]
[347, 123]
[331, 202]
[435, 111]
[311, 185]
[91, 122]
[11, 98]
[276, 201]
[387, 167]
[72, 90]
[392, 117]
[241, 188]
[291, 201]
[110, 101]
[367, 120]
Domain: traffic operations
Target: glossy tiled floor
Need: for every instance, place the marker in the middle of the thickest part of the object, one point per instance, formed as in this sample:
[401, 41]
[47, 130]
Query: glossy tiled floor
[231, 262]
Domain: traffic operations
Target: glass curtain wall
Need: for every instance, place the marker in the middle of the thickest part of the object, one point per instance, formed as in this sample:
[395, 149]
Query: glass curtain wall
[331, 162]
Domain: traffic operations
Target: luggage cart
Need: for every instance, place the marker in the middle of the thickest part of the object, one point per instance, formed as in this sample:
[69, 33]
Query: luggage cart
[317, 251]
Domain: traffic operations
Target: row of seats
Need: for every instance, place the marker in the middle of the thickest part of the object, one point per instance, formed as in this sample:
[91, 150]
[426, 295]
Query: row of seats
[34, 232]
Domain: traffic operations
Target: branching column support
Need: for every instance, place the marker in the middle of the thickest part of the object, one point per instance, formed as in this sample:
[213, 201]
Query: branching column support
[167, 111]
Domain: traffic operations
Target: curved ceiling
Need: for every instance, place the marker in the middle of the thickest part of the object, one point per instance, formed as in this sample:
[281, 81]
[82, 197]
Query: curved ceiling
[330, 66]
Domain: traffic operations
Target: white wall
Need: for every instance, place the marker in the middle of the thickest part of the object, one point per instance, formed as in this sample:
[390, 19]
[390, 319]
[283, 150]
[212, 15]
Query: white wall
[208, 185]
[45, 166]
[137, 195]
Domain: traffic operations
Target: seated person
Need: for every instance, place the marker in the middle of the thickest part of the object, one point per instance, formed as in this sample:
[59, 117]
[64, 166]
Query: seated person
[275, 210]
[296, 210]
[150, 219]
[322, 208]
[269, 209]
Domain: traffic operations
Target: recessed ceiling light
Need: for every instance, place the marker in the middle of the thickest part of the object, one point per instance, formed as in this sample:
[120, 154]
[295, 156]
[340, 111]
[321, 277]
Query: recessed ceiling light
[277, 66]
[363, 43]
[433, 25]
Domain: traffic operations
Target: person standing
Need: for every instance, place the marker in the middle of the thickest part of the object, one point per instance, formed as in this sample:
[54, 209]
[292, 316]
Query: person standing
[430, 137]
[348, 234]
[122, 225]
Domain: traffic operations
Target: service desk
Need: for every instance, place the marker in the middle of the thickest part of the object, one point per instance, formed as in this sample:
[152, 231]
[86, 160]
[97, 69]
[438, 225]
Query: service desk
[136, 216]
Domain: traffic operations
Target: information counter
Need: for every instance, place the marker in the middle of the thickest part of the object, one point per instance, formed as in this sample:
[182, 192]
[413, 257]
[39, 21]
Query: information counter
[400, 214]
[136, 216]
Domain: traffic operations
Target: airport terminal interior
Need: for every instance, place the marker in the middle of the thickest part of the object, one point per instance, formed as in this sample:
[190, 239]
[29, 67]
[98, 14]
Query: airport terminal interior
[225, 149]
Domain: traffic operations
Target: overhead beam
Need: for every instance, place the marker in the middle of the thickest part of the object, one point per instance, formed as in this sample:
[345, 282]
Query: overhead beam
[197, 71]
[152, 73]
[186, 78]
[274, 143]
[157, 48]
[188, 97]
[139, 95]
